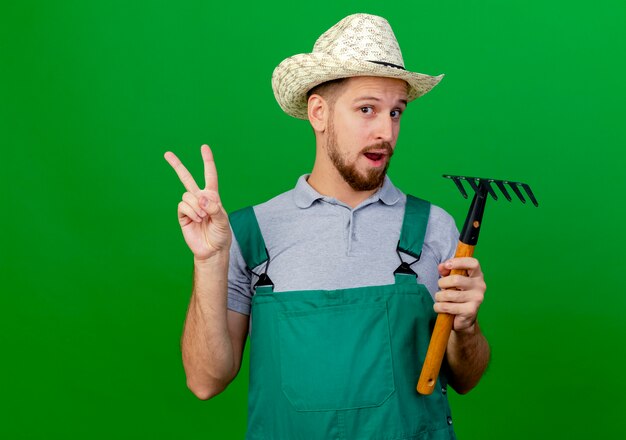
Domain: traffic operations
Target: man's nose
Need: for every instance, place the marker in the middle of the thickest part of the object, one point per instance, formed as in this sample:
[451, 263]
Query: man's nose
[385, 129]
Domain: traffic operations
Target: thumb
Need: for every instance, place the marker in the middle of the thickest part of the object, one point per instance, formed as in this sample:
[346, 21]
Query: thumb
[215, 209]
[443, 270]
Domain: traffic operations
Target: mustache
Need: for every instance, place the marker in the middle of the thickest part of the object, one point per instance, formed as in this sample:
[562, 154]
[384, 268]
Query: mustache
[382, 146]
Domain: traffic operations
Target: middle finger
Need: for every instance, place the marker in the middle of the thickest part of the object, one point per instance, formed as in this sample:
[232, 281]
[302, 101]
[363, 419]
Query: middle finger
[455, 282]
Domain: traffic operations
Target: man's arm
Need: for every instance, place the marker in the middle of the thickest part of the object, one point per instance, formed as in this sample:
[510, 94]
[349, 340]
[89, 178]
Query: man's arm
[213, 338]
[467, 356]
[468, 352]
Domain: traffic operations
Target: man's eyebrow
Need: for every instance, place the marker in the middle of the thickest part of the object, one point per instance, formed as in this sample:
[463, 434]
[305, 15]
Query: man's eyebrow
[373, 98]
[366, 98]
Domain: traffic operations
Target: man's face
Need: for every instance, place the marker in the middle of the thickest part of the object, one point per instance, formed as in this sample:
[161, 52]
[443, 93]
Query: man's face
[363, 128]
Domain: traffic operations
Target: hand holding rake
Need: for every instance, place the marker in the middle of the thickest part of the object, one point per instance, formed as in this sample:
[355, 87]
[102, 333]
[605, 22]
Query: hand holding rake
[467, 241]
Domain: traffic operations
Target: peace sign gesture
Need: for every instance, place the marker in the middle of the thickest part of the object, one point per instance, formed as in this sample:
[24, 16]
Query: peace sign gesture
[202, 217]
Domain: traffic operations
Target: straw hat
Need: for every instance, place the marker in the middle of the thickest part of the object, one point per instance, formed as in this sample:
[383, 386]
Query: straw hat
[359, 45]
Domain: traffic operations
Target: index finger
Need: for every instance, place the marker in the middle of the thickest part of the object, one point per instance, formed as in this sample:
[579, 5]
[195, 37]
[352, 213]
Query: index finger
[185, 176]
[210, 171]
[465, 263]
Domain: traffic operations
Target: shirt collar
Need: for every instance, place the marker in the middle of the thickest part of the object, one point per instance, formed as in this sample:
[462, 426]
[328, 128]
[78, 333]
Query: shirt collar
[305, 195]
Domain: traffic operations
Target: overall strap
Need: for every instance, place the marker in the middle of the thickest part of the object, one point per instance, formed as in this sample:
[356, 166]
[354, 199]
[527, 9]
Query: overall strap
[416, 213]
[248, 234]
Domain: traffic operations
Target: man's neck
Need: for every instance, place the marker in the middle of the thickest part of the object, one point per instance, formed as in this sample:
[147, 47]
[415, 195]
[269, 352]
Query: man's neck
[329, 183]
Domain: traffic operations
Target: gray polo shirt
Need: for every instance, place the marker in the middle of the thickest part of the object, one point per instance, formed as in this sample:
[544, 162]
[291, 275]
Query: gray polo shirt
[319, 243]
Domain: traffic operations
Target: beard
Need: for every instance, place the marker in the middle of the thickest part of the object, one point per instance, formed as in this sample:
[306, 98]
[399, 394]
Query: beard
[371, 179]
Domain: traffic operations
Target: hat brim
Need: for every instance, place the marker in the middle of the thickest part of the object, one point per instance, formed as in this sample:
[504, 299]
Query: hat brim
[296, 75]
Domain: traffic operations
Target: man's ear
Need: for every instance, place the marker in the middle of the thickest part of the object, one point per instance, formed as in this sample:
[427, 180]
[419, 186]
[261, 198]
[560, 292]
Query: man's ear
[317, 109]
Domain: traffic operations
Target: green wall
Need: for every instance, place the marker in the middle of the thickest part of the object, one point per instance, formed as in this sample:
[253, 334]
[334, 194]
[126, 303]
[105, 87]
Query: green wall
[95, 275]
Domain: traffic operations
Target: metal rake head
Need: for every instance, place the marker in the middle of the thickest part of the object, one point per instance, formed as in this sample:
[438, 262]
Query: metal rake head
[480, 185]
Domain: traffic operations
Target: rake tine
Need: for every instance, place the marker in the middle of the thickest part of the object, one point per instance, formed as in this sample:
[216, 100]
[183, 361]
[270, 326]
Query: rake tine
[472, 182]
[517, 192]
[459, 185]
[481, 185]
[503, 189]
[530, 194]
[490, 189]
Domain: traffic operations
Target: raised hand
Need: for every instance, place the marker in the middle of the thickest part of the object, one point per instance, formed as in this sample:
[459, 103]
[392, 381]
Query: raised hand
[202, 217]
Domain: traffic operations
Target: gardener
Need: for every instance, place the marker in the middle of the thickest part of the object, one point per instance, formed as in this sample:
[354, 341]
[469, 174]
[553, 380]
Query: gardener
[337, 276]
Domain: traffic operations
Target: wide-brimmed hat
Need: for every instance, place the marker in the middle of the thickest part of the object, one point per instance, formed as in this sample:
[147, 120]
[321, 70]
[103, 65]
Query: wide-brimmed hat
[359, 45]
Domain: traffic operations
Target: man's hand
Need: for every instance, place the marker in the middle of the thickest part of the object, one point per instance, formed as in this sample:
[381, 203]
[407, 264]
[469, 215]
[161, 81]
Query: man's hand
[202, 218]
[214, 337]
[468, 352]
[461, 295]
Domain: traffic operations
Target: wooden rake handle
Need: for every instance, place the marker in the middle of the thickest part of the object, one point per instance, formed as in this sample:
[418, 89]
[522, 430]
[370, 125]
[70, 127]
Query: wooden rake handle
[441, 334]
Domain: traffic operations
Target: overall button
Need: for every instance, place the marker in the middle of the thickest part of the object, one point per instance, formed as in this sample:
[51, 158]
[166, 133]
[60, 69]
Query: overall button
[444, 390]
[449, 420]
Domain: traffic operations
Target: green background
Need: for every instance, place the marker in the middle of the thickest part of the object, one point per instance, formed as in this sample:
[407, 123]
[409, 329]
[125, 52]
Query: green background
[95, 275]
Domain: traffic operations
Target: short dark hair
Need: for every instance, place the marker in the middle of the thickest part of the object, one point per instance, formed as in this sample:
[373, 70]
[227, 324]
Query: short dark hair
[329, 90]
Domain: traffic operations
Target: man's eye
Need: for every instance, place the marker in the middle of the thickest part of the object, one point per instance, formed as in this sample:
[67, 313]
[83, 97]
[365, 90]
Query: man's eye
[396, 114]
[367, 110]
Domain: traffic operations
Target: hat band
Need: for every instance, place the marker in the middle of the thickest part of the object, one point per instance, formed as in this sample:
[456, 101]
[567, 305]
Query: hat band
[382, 63]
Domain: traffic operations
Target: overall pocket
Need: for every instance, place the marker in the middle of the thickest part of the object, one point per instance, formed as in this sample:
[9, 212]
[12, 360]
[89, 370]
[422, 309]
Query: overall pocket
[336, 358]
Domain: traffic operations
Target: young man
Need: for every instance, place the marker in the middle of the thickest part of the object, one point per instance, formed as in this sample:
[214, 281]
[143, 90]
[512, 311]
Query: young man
[337, 276]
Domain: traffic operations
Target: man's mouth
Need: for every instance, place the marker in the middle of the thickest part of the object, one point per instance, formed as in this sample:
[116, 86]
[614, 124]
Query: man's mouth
[378, 155]
[374, 156]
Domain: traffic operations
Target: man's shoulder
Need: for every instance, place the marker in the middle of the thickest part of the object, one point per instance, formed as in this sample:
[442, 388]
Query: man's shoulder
[270, 210]
[281, 203]
[440, 215]
[287, 204]
[440, 222]
[437, 213]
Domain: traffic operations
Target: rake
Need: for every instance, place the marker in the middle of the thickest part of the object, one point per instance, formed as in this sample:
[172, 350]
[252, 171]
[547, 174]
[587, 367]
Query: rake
[468, 239]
